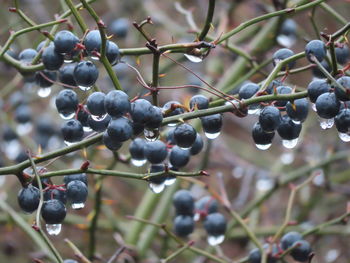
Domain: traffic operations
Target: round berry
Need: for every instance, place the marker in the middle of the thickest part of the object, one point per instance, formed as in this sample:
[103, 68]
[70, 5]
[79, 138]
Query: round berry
[318, 73]
[72, 131]
[298, 109]
[215, 224]
[342, 120]
[92, 41]
[183, 202]
[96, 103]
[183, 225]
[327, 105]
[261, 137]
[53, 211]
[200, 102]
[137, 149]
[112, 52]
[45, 78]
[197, 146]
[59, 194]
[156, 151]
[77, 191]
[288, 130]
[179, 157]
[340, 93]
[255, 254]
[117, 103]
[75, 177]
[27, 55]
[111, 143]
[66, 75]
[66, 102]
[283, 90]
[23, 114]
[51, 59]
[155, 118]
[289, 239]
[206, 205]
[99, 125]
[85, 74]
[28, 199]
[120, 129]
[185, 135]
[342, 54]
[65, 41]
[170, 108]
[288, 27]
[317, 49]
[248, 90]
[140, 110]
[316, 88]
[301, 251]
[269, 118]
[212, 123]
[120, 27]
[283, 54]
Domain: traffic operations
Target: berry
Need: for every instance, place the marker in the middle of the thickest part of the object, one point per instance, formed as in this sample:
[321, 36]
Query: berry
[272, 85]
[28, 199]
[342, 120]
[77, 192]
[288, 130]
[215, 224]
[159, 179]
[255, 255]
[343, 95]
[112, 52]
[261, 137]
[170, 137]
[75, 177]
[316, 88]
[185, 135]
[199, 101]
[96, 103]
[137, 149]
[183, 225]
[72, 131]
[27, 55]
[283, 90]
[66, 102]
[92, 41]
[119, 27]
[55, 194]
[248, 90]
[183, 202]
[23, 114]
[288, 27]
[197, 146]
[155, 118]
[156, 151]
[111, 143]
[120, 129]
[212, 123]
[206, 205]
[282, 54]
[342, 54]
[289, 238]
[66, 75]
[298, 110]
[44, 181]
[116, 103]
[83, 116]
[53, 211]
[179, 157]
[175, 111]
[51, 59]
[316, 48]
[65, 41]
[99, 125]
[45, 78]
[85, 74]
[301, 251]
[137, 128]
[327, 105]
[318, 73]
[269, 118]
[140, 110]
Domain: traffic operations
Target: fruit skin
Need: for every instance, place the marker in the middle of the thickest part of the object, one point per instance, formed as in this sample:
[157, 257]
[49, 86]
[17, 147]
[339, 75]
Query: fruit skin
[23, 114]
[185, 135]
[27, 55]
[179, 157]
[65, 41]
[248, 90]
[316, 48]
[120, 129]
[66, 102]
[55, 194]
[85, 74]
[260, 136]
[342, 120]
[318, 73]
[183, 225]
[206, 205]
[92, 41]
[167, 106]
[282, 90]
[282, 54]
[299, 111]
[316, 88]
[73, 177]
[212, 123]
[140, 111]
[43, 82]
[110, 143]
[215, 224]
[137, 149]
[301, 251]
[156, 151]
[288, 130]
[288, 27]
[112, 52]
[155, 118]
[120, 27]
[66, 74]
[156, 168]
[28, 199]
[199, 101]
[269, 118]
[53, 211]
[96, 103]
[51, 59]
[77, 191]
[289, 238]
[197, 146]
[327, 105]
[255, 255]
[341, 95]
[72, 131]
[99, 126]
[342, 54]
[117, 103]
[183, 202]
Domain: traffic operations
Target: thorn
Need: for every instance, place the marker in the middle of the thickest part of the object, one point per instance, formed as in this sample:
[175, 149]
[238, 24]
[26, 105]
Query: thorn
[12, 9]
[205, 173]
[85, 165]
[62, 21]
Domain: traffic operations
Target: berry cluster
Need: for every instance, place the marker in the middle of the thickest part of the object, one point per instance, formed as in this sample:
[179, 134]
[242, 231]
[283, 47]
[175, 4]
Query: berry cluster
[74, 189]
[206, 209]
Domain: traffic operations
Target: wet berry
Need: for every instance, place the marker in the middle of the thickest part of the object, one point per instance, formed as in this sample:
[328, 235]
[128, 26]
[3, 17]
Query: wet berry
[184, 135]
[96, 103]
[183, 225]
[156, 151]
[269, 118]
[179, 157]
[327, 105]
[298, 109]
[215, 224]
[183, 202]
[316, 88]
[65, 41]
[28, 199]
[120, 129]
[72, 131]
[289, 239]
[85, 74]
[53, 211]
[116, 103]
[200, 102]
[316, 48]
[197, 146]
[51, 59]
[66, 102]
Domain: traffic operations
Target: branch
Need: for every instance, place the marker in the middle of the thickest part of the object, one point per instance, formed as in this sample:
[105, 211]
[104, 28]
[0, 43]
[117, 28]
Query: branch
[208, 20]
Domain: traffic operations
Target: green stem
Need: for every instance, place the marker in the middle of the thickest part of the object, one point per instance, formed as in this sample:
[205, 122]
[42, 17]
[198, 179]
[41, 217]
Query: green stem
[77, 16]
[208, 20]
[155, 77]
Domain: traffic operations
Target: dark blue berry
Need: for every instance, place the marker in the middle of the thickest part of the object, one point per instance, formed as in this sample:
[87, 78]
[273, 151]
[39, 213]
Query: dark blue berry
[183, 225]
[179, 157]
[53, 211]
[298, 109]
[301, 251]
[28, 199]
[282, 90]
[170, 110]
[327, 105]
[340, 93]
[116, 103]
[55, 194]
[140, 111]
[137, 149]
[99, 125]
[289, 239]
[212, 123]
[45, 78]
[85, 74]
[75, 177]
[119, 27]
[72, 131]
[248, 90]
[92, 41]
[120, 129]
[27, 55]
[282, 54]
[318, 73]
[155, 118]
[215, 224]
[288, 27]
[96, 103]
[112, 52]
[185, 135]
[156, 151]
[288, 130]
[269, 118]
[67, 102]
[199, 101]
[77, 192]
[316, 88]
[261, 137]
[111, 143]
[51, 59]
[65, 41]
[23, 114]
[342, 54]
[66, 75]
[206, 205]
[197, 146]
[342, 120]
[316, 48]
[255, 254]
[183, 202]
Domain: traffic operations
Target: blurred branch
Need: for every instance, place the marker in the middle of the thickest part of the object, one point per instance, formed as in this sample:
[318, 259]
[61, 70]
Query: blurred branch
[208, 20]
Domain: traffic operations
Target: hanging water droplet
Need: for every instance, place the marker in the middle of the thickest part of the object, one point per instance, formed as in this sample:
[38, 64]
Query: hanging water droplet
[254, 110]
[87, 129]
[151, 135]
[157, 188]
[332, 255]
[169, 181]
[286, 41]
[67, 116]
[68, 143]
[212, 136]
[24, 128]
[53, 229]
[172, 124]
[296, 122]
[98, 118]
[313, 106]
[85, 88]
[138, 163]
[326, 123]
[197, 217]
[215, 240]
[185, 148]
[344, 137]
[11, 149]
[263, 146]
[264, 184]
[77, 206]
[319, 179]
[290, 144]
[44, 92]
[193, 59]
[94, 57]
[238, 172]
[287, 158]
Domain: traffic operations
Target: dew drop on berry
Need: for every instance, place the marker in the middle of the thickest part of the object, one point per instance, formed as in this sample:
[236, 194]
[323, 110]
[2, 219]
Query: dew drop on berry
[151, 135]
[53, 229]
[157, 188]
[87, 129]
[172, 124]
[24, 128]
[138, 163]
[286, 41]
[197, 217]
[77, 206]
[193, 59]
[67, 116]
[296, 122]
[263, 147]
[313, 106]
[98, 118]
[94, 57]
[344, 137]
[212, 136]
[85, 88]
[44, 92]
[68, 143]
[290, 144]
[215, 240]
[326, 123]
[169, 181]
[254, 110]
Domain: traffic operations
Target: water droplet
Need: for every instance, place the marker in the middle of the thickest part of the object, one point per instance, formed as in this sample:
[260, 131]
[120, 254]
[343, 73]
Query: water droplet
[344, 137]
[264, 184]
[151, 135]
[68, 143]
[287, 158]
[94, 57]
[87, 129]
[67, 116]
[296, 122]
[197, 217]
[98, 118]
[44, 92]
[254, 110]
[24, 128]
[169, 181]
[238, 172]
[85, 88]
[193, 59]
[138, 163]
[326, 123]
[157, 188]
[313, 106]
[212, 136]
[185, 148]
[11, 148]
[263, 146]
[290, 144]
[77, 206]
[319, 179]
[332, 255]
[68, 60]
[53, 229]
[172, 124]
[215, 240]
[286, 41]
